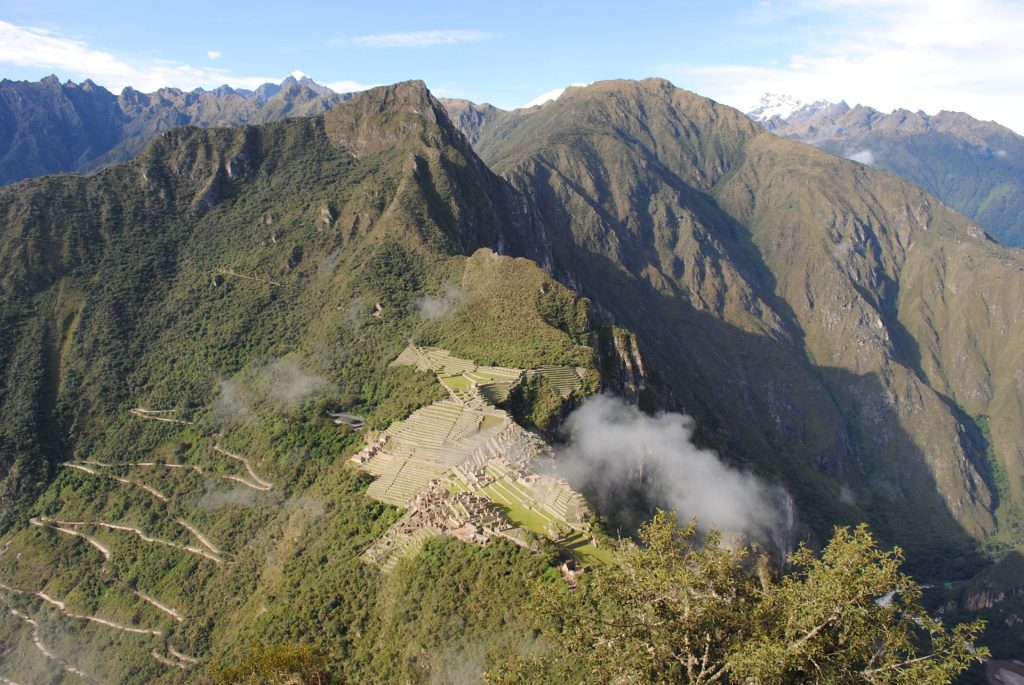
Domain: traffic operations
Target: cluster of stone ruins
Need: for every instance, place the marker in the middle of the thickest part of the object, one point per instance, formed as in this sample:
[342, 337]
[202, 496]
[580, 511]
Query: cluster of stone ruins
[456, 464]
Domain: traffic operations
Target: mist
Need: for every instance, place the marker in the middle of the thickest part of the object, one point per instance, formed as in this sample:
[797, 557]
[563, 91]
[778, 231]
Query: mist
[285, 382]
[231, 405]
[432, 307]
[214, 498]
[280, 383]
[613, 447]
[862, 156]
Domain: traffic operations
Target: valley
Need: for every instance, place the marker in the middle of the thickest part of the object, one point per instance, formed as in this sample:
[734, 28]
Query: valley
[304, 382]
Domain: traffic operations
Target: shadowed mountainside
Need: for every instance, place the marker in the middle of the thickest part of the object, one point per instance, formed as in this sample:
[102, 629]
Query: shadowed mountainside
[830, 322]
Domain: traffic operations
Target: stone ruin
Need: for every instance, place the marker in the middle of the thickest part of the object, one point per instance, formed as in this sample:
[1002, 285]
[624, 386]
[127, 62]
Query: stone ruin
[440, 511]
[446, 462]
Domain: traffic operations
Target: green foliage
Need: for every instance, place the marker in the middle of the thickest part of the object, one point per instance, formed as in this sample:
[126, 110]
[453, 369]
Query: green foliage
[677, 610]
[453, 611]
[401, 391]
[564, 310]
[499, 321]
[534, 403]
[1009, 512]
[393, 273]
[275, 665]
[825, 623]
[226, 301]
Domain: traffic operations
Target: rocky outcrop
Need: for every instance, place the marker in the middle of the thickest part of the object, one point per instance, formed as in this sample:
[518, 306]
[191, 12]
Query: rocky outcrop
[622, 366]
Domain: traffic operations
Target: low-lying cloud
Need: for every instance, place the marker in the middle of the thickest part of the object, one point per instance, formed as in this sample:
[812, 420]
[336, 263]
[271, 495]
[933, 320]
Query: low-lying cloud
[433, 307]
[862, 156]
[285, 382]
[232, 403]
[214, 498]
[612, 444]
[281, 383]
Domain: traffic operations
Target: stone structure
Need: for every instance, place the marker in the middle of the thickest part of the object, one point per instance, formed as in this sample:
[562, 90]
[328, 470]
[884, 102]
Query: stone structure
[451, 462]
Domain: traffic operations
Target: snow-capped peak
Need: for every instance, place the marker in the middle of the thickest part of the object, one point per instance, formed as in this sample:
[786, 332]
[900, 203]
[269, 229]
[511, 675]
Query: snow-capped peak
[773, 105]
[551, 95]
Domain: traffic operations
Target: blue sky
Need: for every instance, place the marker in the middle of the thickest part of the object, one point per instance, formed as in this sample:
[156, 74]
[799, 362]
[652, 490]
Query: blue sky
[919, 54]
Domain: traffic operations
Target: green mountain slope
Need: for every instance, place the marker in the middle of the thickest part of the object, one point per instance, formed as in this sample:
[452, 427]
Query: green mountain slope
[175, 330]
[973, 166]
[832, 324]
[49, 127]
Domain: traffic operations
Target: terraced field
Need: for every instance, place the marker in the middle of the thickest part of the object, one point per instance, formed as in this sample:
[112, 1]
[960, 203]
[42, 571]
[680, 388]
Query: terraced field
[463, 378]
[564, 379]
[471, 446]
[425, 446]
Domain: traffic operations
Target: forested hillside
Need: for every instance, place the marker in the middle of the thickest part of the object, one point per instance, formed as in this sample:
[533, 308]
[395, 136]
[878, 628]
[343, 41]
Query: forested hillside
[195, 343]
[175, 330]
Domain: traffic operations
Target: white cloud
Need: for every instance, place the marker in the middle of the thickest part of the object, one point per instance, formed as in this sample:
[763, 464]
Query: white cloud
[419, 39]
[917, 54]
[551, 95]
[611, 443]
[212, 54]
[863, 156]
[348, 86]
[32, 47]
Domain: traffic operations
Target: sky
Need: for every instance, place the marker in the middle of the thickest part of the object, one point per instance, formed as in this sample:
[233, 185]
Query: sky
[915, 54]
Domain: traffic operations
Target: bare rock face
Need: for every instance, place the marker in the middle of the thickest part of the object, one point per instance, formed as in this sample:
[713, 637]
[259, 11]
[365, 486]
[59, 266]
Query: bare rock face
[1002, 582]
[622, 366]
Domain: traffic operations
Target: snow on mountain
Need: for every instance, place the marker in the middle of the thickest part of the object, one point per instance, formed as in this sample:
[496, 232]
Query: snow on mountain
[773, 105]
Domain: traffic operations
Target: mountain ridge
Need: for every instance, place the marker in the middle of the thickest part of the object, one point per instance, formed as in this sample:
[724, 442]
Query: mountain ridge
[171, 355]
[739, 276]
[50, 127]
[973, 165]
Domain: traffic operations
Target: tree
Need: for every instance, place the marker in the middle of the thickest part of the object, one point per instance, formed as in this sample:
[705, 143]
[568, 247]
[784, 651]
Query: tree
[850, 616]
[675, 610]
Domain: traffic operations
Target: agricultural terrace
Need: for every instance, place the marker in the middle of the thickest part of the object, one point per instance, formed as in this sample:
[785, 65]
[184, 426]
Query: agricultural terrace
[463, 467]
